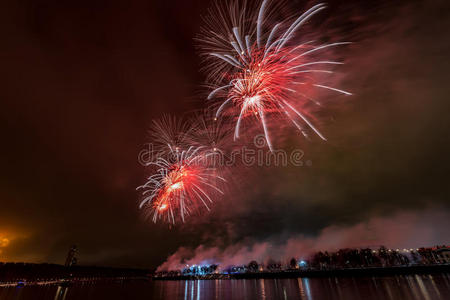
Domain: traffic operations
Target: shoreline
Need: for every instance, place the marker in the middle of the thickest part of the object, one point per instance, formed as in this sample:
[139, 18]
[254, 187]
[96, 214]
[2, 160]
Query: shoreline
[350, 272]
[309, 273]
[66, 282]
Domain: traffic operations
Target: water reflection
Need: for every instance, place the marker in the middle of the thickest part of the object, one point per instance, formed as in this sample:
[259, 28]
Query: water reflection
[427, 287]
[303, 285]
[263, 290]
[61, 293]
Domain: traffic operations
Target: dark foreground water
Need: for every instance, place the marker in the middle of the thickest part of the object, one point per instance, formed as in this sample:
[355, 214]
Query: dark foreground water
[427, 287]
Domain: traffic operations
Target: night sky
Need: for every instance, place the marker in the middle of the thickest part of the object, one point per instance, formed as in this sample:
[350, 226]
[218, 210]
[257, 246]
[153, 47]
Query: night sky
[81, 82]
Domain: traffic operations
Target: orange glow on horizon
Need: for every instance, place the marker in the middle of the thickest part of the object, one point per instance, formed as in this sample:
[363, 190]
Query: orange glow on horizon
[4, 242]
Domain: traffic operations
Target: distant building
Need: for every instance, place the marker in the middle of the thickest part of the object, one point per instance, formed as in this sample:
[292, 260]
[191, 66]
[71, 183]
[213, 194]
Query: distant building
[71, 256]
[443, 254]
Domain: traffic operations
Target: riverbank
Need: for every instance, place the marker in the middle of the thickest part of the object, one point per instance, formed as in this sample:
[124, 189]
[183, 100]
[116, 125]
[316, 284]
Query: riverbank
[65, 282]
[350, 272]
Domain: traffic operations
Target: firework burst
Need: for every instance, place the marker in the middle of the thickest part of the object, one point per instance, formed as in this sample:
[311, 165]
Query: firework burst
[184, 179]
[210, 131]
[168, 134]
[257, 71]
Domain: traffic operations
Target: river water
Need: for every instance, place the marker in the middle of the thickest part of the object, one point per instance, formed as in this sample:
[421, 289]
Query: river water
[428, 287]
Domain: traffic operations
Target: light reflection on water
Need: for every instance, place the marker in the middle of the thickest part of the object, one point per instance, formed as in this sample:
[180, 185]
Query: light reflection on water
[428, 287]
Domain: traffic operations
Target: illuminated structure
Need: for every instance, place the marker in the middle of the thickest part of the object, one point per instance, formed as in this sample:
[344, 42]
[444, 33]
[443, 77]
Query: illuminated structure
[71, 256]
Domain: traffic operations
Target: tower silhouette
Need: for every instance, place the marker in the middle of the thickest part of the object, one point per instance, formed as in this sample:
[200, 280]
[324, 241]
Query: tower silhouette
[71, 256]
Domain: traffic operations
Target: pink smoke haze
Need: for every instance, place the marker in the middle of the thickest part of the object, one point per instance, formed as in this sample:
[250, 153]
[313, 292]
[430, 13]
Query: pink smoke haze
[403, 230]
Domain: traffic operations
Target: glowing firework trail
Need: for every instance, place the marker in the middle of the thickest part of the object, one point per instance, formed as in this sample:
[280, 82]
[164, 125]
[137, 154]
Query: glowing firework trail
[257, 77]
[168, 134]
[185, 181]
[209, 131]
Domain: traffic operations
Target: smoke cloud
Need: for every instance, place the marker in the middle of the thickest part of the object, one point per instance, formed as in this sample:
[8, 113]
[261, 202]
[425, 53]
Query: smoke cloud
[402, 230]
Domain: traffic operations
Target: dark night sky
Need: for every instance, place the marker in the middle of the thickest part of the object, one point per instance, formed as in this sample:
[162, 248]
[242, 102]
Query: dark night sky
[82, 80]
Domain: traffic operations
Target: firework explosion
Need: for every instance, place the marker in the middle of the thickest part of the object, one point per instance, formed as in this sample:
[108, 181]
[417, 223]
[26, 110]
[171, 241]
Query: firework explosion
[168, 134]
[209, 131]
[184, 181]
[257, 71]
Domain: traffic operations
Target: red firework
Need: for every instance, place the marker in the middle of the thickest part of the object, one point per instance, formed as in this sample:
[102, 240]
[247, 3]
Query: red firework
[255, 68]
[184, 179]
